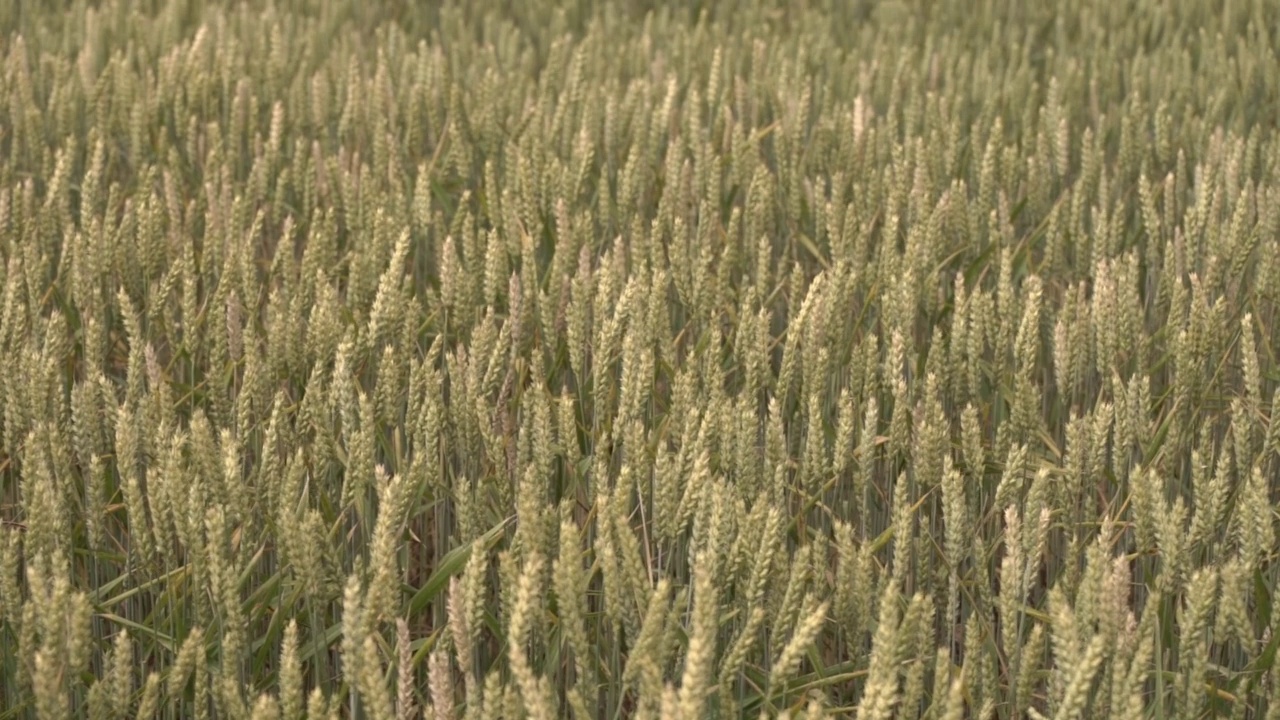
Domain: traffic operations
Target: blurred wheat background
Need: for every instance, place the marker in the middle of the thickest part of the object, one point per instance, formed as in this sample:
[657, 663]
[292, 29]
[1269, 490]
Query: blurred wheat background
[613, 359]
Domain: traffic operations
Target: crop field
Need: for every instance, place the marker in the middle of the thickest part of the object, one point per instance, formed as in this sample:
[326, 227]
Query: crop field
[623, 359]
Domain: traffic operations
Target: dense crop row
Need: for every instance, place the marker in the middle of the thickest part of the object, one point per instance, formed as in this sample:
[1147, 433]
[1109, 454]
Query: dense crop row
[590, 359]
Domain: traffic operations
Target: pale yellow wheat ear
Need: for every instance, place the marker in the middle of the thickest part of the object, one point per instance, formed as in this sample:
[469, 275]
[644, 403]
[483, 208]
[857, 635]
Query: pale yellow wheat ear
[804, 635]
[534, 692]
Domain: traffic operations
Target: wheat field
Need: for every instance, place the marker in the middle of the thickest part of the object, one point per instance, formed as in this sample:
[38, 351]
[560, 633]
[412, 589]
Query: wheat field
[625, 359]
